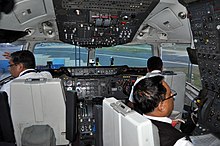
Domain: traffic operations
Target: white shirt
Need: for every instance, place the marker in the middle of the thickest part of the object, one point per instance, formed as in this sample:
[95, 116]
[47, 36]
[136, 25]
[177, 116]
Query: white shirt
[24, 75]
[148, 75]
[181, 141]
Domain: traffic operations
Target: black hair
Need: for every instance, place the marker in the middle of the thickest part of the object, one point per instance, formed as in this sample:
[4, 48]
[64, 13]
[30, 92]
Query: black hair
[25, 57]
[148, 93]
[154, 63]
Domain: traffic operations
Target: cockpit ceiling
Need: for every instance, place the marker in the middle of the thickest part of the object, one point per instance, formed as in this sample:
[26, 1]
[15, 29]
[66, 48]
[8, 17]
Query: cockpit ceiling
[27, 10]
[95, 23]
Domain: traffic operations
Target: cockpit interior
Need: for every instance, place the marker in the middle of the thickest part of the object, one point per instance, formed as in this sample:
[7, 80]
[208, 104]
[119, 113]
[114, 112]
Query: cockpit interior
[95, 51]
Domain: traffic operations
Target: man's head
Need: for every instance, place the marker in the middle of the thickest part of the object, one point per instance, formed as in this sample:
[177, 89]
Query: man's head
[153, 97]
[154, 63]
[20, 61]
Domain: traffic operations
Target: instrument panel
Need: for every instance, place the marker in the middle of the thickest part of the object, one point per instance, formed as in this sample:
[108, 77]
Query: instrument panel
[101, 81]
[205, 23]
[95, 23]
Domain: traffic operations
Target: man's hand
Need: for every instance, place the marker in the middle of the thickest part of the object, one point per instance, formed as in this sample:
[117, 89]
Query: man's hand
[7, 55]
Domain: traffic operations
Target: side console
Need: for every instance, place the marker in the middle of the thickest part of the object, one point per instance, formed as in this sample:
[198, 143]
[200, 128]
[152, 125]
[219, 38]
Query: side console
[205, 23]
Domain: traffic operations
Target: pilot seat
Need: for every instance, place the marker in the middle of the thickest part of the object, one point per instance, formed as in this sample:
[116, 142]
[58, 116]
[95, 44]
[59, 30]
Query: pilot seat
[125, 127]
[38, 111]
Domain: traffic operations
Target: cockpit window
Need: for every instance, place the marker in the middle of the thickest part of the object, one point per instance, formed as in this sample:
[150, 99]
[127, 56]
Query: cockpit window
[6, 47]
[175, 58]
[131, 55]
[56, 55]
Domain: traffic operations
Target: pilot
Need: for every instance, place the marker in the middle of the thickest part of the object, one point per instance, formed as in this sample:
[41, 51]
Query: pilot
[154, 67]
[155, 100]
[22, 66]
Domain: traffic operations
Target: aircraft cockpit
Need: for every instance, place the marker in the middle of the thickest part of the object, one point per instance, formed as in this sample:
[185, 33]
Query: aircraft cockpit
[95, 51]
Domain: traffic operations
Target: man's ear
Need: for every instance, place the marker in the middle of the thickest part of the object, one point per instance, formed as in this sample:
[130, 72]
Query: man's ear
[21, 66]
[161, 106]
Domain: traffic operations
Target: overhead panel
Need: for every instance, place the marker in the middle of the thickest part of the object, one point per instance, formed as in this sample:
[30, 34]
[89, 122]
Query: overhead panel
[99, 23]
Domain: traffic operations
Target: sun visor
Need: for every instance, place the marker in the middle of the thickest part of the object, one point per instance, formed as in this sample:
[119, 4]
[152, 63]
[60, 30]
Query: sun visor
[8, 36]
